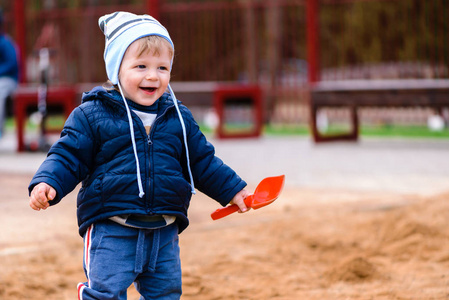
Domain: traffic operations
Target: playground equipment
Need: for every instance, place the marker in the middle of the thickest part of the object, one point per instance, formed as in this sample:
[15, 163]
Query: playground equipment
[46, 99]
[355, 94]
[365, 88]
[239, 110]
[257, 42]
[25, 99]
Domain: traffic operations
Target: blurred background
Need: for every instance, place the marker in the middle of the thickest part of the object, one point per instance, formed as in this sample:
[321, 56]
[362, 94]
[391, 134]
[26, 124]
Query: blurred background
[364, 220]
[282, 46]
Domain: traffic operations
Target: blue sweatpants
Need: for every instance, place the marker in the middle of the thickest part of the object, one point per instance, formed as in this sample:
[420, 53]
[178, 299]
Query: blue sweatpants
[116, 256]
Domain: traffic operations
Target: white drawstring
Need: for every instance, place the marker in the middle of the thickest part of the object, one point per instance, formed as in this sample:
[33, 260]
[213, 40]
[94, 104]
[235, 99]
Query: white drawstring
[175, 101]
[131, 129]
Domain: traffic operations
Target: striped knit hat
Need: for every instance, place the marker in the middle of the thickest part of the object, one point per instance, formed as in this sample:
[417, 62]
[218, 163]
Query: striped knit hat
[120, 30]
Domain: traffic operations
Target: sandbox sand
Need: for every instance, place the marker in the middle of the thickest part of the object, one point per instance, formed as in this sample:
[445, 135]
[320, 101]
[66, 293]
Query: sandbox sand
[309, 244]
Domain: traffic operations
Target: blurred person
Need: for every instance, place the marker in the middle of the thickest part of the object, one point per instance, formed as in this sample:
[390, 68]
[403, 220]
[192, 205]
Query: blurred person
[9, 71]
[139, 155]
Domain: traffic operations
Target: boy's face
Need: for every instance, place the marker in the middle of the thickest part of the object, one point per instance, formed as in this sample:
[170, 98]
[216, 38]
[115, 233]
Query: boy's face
[144, 78]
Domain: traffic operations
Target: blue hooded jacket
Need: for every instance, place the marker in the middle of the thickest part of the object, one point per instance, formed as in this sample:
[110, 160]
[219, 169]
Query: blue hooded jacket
[95, 149]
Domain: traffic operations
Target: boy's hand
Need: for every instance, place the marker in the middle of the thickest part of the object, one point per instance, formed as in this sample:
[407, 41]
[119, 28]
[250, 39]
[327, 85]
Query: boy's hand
[239, 200]
[40, 195]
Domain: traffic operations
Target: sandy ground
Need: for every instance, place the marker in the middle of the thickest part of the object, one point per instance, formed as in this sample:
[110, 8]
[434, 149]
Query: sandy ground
[376, 231]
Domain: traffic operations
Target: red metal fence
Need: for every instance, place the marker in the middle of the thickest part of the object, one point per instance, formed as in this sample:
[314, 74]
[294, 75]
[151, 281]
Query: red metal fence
[269, 42]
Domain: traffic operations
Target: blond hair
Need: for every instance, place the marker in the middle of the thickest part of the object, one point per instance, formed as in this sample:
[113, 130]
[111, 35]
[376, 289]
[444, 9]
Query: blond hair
[154, 44]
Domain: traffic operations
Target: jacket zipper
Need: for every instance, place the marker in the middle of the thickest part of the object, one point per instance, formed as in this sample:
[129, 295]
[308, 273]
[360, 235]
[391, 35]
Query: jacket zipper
[149, 202]
[147, 169]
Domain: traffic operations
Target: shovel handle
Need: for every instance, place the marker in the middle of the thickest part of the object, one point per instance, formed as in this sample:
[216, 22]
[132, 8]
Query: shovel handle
[226, 211]
[223, 212]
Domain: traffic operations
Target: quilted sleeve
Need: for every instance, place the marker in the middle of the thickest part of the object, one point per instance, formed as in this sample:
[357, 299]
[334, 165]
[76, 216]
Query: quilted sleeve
[69, 160]
[211, 175]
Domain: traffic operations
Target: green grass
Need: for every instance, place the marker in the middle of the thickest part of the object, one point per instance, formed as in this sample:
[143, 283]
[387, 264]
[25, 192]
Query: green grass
[369, 131]
[285, 130]
[56, 121]
[403, 131]
[386, 131]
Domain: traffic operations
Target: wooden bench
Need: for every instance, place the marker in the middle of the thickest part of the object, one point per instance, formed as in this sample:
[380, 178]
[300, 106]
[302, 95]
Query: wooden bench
[249, 96]
[354, 94]
[25, 98]
[220, 94]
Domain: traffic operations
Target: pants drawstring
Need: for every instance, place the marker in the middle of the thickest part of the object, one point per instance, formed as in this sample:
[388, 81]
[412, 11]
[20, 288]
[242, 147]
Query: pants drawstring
[154, 250]
[140, 250]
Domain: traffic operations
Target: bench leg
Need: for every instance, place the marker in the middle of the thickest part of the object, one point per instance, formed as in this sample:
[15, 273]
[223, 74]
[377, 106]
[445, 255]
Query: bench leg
[352, 135]
[20, 116]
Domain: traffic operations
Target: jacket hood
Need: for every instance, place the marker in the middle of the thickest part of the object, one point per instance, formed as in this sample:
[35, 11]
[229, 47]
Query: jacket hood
[100, 93]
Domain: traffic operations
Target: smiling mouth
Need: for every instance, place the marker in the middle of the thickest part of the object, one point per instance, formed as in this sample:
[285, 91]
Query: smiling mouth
[148, 89]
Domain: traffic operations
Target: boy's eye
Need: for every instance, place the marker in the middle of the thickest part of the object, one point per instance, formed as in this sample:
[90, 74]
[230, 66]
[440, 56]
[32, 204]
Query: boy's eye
[141, 66]
[163, 68]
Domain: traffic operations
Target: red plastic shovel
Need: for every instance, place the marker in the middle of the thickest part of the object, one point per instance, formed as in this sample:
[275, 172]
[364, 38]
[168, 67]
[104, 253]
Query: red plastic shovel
[266, 192]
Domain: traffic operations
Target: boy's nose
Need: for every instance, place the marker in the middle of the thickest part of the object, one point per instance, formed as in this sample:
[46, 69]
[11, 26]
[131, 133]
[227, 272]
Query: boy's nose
[151, 75]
